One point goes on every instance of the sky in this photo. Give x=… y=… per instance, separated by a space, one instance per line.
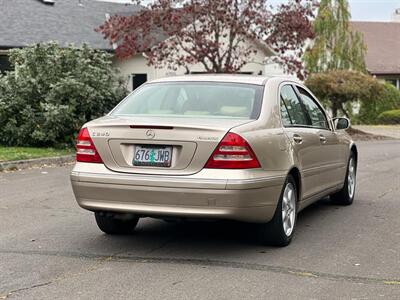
x=373 y=10
x=368 y=10
x=361 y=10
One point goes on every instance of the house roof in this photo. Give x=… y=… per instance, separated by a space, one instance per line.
x=25 y=22
x=383 y=46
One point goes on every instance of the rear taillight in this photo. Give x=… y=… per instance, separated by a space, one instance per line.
x=233 y=152
x=85 y=149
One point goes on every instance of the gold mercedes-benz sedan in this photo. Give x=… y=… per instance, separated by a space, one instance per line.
x=245 y=148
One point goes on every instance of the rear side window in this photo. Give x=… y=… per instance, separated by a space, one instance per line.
x=292 y=111
x=286 y=120
x=194 y=100
x=315 y=113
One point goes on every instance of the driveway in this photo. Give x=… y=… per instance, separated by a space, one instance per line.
x=50 y=248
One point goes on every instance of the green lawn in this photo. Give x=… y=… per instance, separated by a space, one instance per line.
x=18 y=153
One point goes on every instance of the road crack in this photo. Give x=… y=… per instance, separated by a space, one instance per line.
x=207 y=263
x=10 y=293
x=391 y=190
x=101 y=260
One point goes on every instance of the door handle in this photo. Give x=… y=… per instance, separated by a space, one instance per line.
x=322 y=139
x=297 y=139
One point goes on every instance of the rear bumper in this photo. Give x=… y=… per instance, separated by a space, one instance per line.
x=206 y=194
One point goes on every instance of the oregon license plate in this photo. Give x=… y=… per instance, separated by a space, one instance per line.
x=158 y=156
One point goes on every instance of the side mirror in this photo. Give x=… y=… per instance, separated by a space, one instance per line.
x=341 y=123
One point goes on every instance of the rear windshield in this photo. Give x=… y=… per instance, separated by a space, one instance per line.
x=194 y=99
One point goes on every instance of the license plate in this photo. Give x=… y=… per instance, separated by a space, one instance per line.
x=159 y=156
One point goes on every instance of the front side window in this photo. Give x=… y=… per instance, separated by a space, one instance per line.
x=315 y=113
x=194 y=100
x=292 y=107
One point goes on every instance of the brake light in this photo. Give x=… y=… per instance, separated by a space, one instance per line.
x=85 y=149
x=233 y=152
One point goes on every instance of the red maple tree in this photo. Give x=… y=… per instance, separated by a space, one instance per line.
x=218 y=34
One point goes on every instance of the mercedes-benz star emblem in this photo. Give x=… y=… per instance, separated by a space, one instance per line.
x=150 y=134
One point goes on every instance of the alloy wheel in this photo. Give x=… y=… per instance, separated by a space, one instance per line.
x=351 y=178
x=289 y=209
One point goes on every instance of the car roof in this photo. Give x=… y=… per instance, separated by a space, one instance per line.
x=234 y=78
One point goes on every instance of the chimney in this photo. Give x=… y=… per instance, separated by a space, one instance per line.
x=396 y=15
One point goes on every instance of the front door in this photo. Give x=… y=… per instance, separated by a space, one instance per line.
x=330 y=156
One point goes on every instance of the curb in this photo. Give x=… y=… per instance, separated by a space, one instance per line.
x=29 y=163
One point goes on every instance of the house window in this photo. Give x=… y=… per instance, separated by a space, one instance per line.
x=138 y=80
x=4 y=64
x=395 y=82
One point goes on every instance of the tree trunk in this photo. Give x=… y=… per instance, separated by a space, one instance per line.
x=335 y=108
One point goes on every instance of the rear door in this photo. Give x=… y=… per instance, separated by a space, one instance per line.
x=304 y=140
x=331 y=154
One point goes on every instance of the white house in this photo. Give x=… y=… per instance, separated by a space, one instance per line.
x=26 y=22
x=137 y=71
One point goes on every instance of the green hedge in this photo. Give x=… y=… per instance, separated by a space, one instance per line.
x=388 y=100
x=53 y=91
x=390 y=117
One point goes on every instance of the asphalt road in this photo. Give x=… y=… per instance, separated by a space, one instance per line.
x=52 y=249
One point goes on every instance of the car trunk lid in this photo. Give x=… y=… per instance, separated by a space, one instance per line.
x=192 y=141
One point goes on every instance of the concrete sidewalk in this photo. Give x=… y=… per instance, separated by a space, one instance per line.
x=392 y=131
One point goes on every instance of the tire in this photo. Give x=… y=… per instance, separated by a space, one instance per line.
x=346 y=195
x=277 y=232
x=111 y=223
